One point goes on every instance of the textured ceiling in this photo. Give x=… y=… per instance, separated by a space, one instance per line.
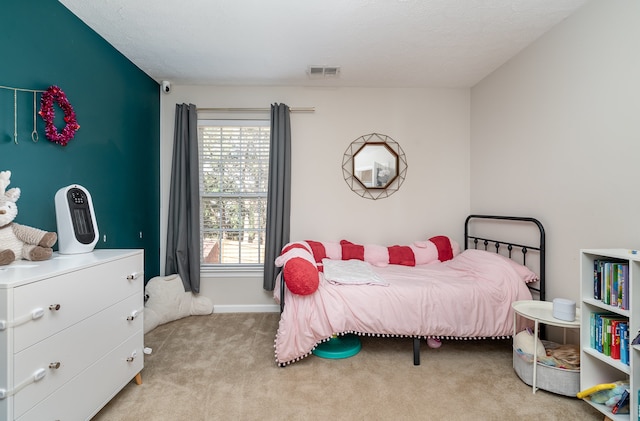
x=384 y=43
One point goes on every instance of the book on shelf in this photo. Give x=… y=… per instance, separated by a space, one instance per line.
x=611 y=282
x=608 y=332
x=597 y=337
x=625 y=286
x=595 y=330
x=606 y=278
x=592 y=330
x=614 y=346
x=615 y=339
x=624 y=343
x=597 y=280
x=621 y=407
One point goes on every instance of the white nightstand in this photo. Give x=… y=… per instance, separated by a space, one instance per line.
x=540 y=312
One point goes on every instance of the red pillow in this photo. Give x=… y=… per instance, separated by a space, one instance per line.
x=301 y=276
x=318 y=250
x=351 y=251
x=401 y=255
x=443 y=244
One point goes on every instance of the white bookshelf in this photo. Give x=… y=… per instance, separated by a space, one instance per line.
x=596 y=367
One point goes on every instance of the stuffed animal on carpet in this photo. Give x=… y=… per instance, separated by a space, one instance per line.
x=20 y=241
x=168 y=301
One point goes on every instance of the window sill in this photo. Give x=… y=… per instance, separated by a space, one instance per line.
x=231 y=272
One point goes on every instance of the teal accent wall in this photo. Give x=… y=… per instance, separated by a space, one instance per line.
x=116 y=153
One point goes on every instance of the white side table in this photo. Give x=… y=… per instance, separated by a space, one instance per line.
x=540 y=312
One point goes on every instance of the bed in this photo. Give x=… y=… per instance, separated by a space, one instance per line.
x=466 y=295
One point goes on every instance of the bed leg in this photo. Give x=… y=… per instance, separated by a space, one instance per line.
x=416 y=351
x=282 y=285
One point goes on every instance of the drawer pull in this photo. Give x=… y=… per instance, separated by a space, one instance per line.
x=54 y=366
x=54 y=307
x=133 y=356
x=134 y=275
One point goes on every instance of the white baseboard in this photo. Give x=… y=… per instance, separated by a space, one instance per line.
x=249 y=308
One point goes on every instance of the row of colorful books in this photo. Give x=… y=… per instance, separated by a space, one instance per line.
x=609 y=334
x=611 y=282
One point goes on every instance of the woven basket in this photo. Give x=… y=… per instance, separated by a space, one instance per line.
x=553 y=379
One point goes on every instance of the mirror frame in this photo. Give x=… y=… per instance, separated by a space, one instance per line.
x=348 y=166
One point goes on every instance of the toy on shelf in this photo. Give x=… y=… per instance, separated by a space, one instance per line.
x=608 y=394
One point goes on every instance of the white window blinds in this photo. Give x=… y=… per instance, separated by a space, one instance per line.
x=234 y=168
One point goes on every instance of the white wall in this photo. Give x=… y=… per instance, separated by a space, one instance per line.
x=555 y=133
x=431 y=126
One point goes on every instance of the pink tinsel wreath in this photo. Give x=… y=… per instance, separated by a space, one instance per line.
x=53 y=93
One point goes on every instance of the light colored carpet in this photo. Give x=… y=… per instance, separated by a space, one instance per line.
x=222 y=367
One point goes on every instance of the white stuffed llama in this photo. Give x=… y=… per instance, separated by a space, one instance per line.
x=19 y=241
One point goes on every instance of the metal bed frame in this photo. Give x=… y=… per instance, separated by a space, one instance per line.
x=498 y=245
x=486 y=244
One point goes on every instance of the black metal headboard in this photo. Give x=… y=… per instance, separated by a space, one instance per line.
x=497 y=245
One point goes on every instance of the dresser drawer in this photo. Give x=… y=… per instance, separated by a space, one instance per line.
x=74 y=349
x=67 y=299
x=83 y=396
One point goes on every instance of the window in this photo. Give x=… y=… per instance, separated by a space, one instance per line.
x=234 y=170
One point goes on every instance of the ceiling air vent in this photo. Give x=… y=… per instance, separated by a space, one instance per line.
x=321 y=72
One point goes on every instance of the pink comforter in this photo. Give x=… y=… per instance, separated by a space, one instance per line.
x=467 y=297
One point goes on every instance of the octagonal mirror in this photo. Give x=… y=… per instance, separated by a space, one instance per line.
x=375 y=165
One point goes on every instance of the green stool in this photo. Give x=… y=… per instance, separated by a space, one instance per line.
x=344 y=346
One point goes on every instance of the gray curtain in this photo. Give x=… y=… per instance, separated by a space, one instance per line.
x=279 y=191
x=183 y=229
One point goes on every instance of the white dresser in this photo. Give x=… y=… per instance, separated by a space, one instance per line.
x=71 y=333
